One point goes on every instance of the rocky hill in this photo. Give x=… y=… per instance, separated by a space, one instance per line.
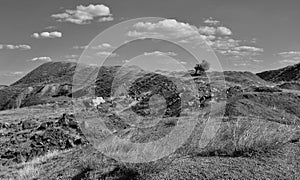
x=2 y=86
x=47 y=73
x=257 y=136
x=52 y=82
x=286 y=74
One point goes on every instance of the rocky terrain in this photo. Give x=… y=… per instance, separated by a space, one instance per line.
x=42 y=135
x=3 y=86
x=286 y=74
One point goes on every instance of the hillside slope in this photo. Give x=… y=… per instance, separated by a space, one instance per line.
x=52 y=82
x=286 y=74
x=50 y=72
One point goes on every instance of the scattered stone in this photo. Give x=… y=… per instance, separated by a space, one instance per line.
x=43 y=126
x=29 y=124
x=234 y=91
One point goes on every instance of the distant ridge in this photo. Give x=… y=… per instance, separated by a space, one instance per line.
x=53 y=82
x=50 y=72
x=286 y=74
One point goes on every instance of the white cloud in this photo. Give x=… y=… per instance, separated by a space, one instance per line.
x=125 y=61
x=80 y=47
x=207 y=30
x=103 y=46
x=47 y=59
x=216 y=36
x=248 y=48
x=289 y=57
x=225 y=43
x=179 y=31
x=290 y=54
x=257 y=60
x=13 y=47
x=289 y=61
x=85 y=14
x=106 y=53
x=105 y=19
x=169 y=28
x=224 y=31
x=242 y=64
x=236 y=52
x=54 y=34
x=72 y=56
x=18 y=73
x=13 y=74
x=159 y=53
x=50 y=27
x=211 y=21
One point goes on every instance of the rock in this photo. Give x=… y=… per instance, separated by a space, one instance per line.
x=69 y=144
x=63 y=121
x=29 y=124
x=5 y=125
x=43 y=126
x=73 y=124
x=234 y=91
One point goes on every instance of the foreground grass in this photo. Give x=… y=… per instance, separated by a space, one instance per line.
x=29 y=170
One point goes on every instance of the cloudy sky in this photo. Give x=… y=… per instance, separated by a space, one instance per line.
x=251 y=35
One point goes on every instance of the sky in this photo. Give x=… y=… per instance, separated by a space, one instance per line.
x=254 y=35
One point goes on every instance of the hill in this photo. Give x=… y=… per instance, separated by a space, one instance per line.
x=52 y=82
x=254 y=135
x=286 y=74
x=50 y=72
x=3 y=86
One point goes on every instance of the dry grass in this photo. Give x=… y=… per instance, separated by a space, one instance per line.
x=28 y=172
x=31 y=169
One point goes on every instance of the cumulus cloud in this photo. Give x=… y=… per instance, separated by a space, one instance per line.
x=47 y=59
x=249 y=48
x=103 y=46
x=85 y=14
x=242 y=52
x=183 y=32
x=216 y=36
x=211 y=21
x=225 y=43
x=54 y=34
x=106 y=53
x=289 y=61
x=80 y=47
x=50 y=27
x=207 y=30
x=125 y=61
x=289 y=57
x=224 y=31
x=104 y=19
x=290 y=54
x=159 y=53
x=13 y=47
x=169 y=28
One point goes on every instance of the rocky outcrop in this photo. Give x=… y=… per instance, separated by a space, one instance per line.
x=25 y=140
x=290 y=86
x=286 y=74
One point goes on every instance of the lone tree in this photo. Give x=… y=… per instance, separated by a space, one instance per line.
x=201 y=68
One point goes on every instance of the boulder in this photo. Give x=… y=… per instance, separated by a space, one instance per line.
x=29 y=124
